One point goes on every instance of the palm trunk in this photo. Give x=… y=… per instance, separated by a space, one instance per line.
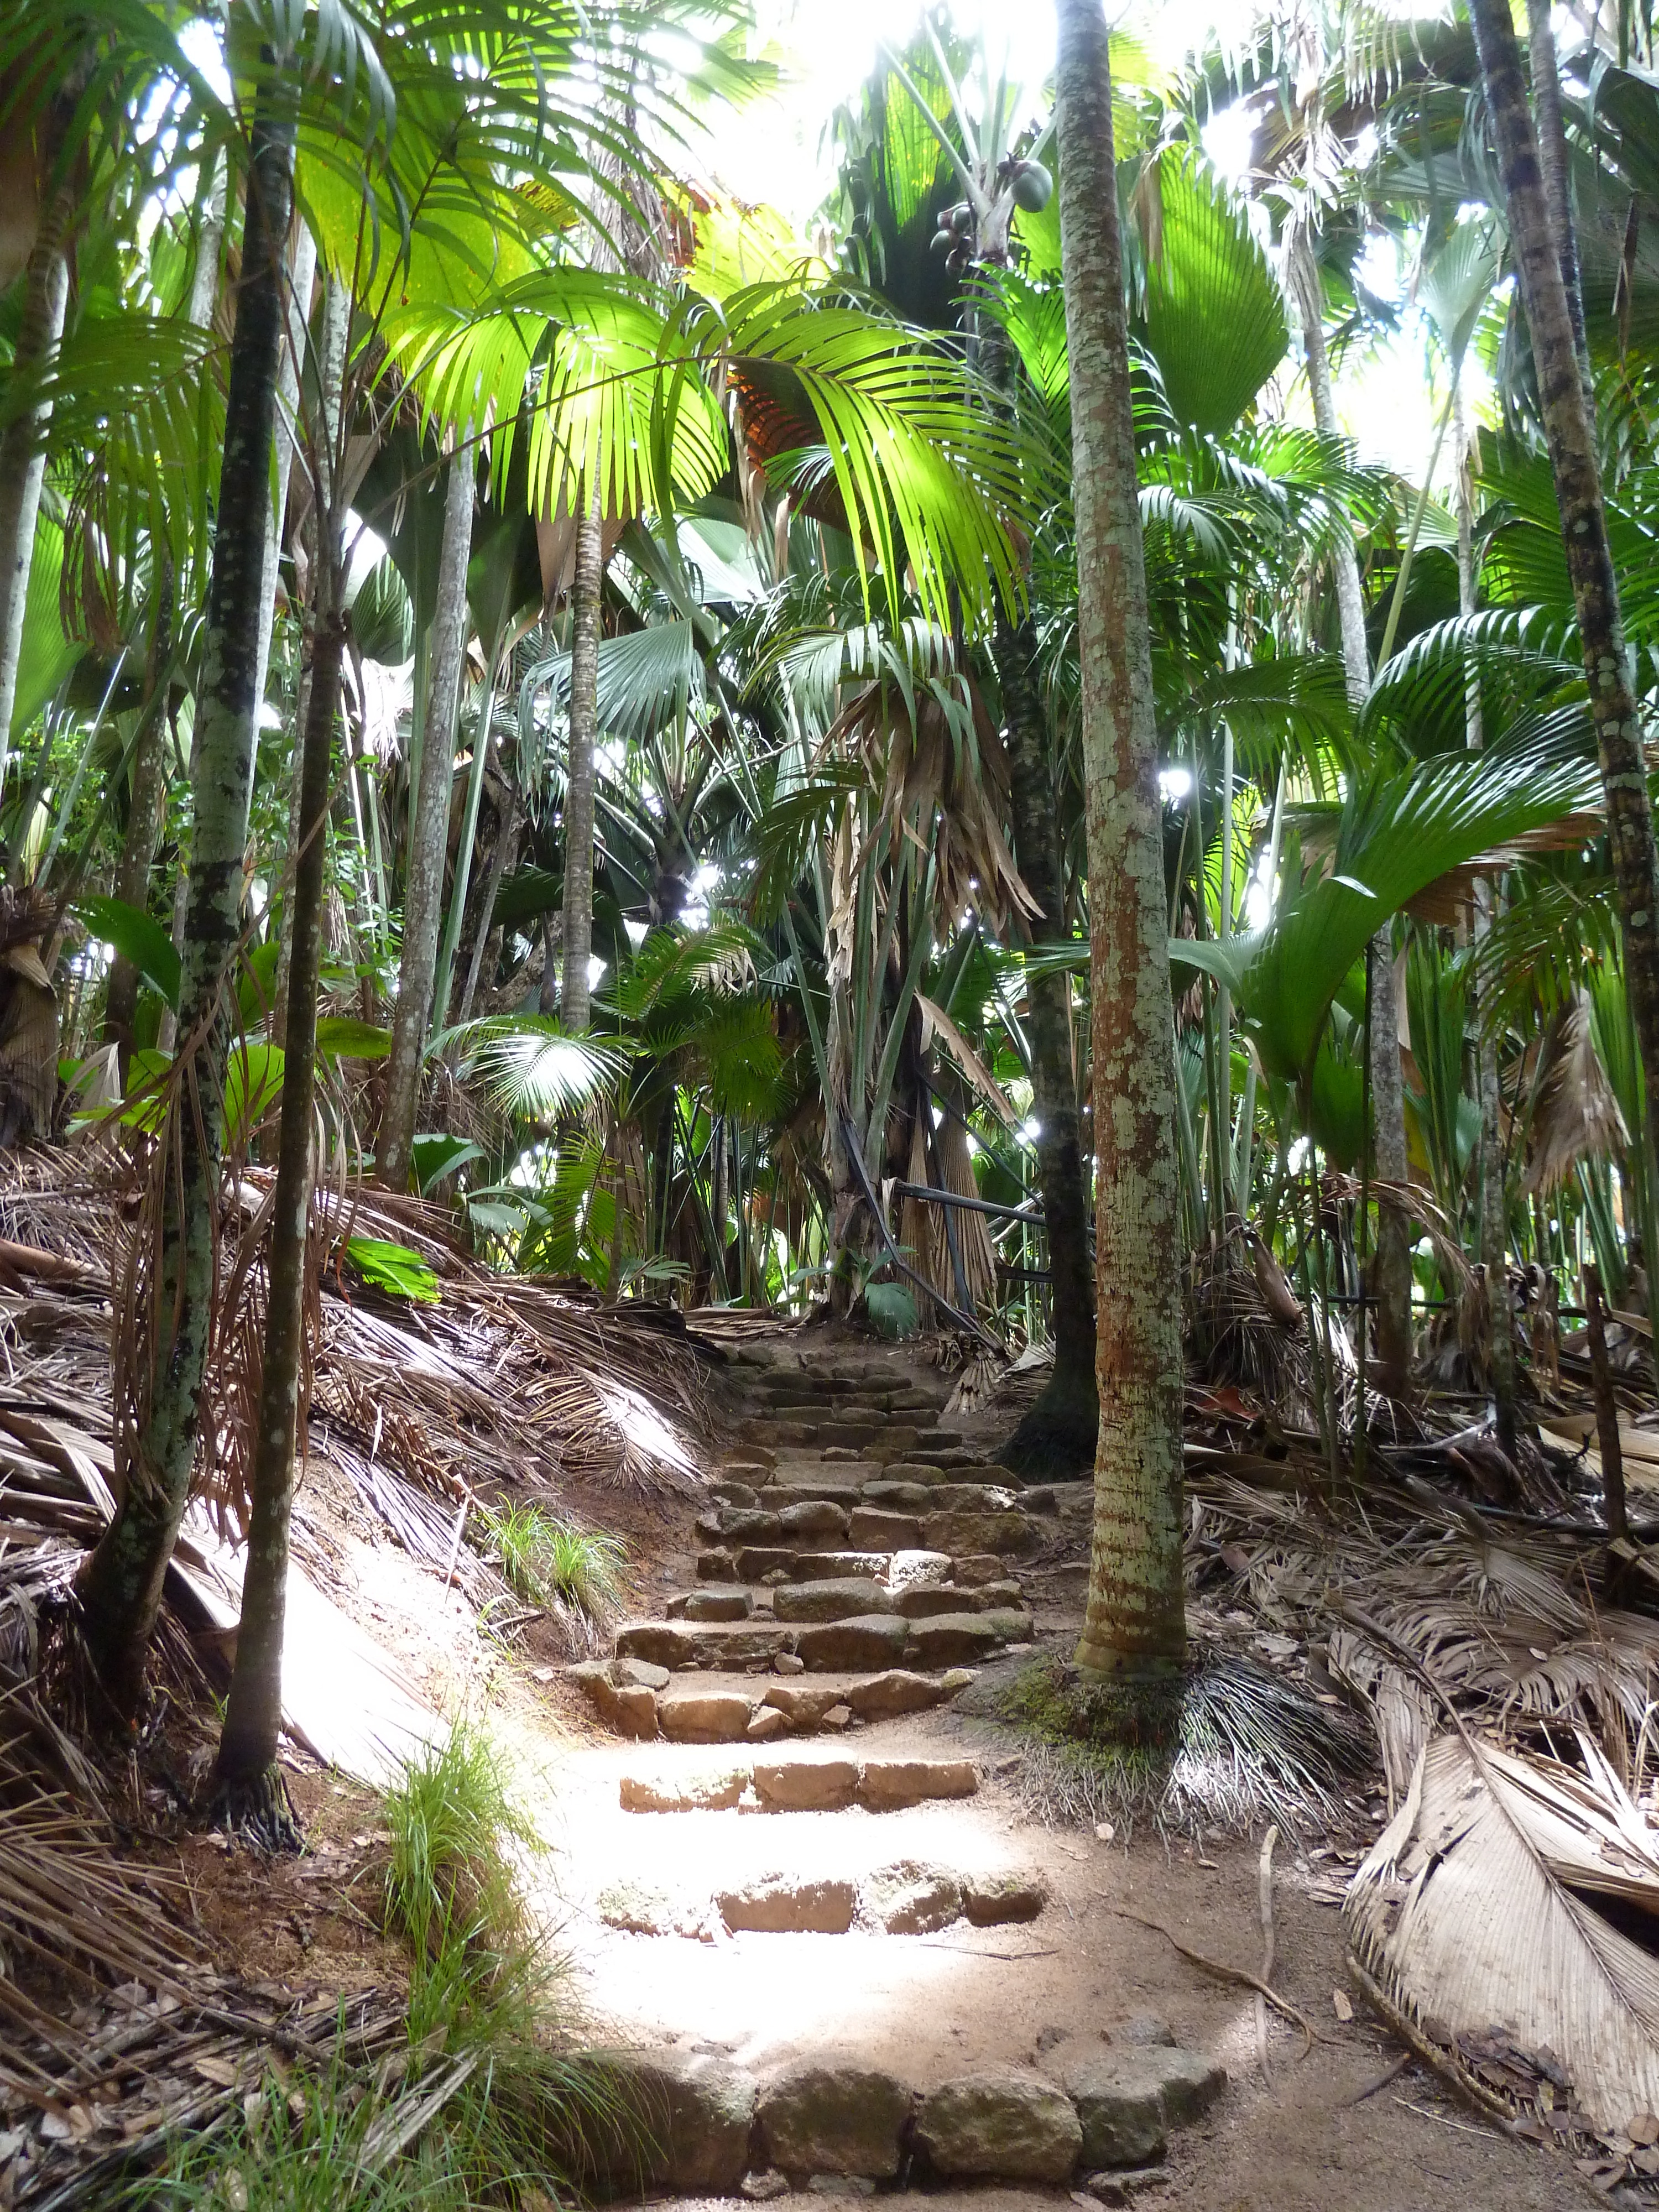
x=1570 y=434
x=149 y=785
x=121 y=1588
x=501 y=860
x=579 y=783
x=1135 y=1627
x=1494 y=1227
x=1553 y=169
x=428 y=841
x=243 y=1783
x=23 y=444
x=1391 y=1264
x=1060 y=1430
x=334 y=336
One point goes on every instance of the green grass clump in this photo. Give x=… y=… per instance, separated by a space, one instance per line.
x=552 y=1563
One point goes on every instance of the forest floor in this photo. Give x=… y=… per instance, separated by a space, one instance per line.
x=928 y=2007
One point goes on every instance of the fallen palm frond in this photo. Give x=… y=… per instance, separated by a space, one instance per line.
x=1508 y=1917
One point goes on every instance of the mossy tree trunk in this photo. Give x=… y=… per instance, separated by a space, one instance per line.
x=1135 y=1627
x=1570 y=434
x=585 y=590
x=429 y=835
x=144 y=813
x=121 y=1586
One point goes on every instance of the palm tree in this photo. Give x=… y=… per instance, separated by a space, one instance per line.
x=1570 y=434
x=1135 y=1630
x=121 y=1587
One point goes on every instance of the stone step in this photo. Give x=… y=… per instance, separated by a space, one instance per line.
x=910 y=1897
x=1097 y=2112
x=847 y=1597
x=647 y=1702
x=857 y=1643
x=785 y=1785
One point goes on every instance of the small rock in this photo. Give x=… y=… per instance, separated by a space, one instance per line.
x=775 y=1577
x=1146 y=2027
x=910 y=1898
x=732 y=1493
x=703 y=1715
x=1124 y=2188
x=872 y=1528
x=975 y=1568
x=951 y=1639
x=716 y=1566
x=837 y=1718
x=909 y=1569
x=886 y=1785
x=1006 y=2126
x=638 y=1674
x=805 y=1786
x=895 y=1691
x=765 y=1723
x=689 y=1793
x=782 y=1904
x=640 y=1909
x=804 y=1704
x=896 y=1496
x=760 y=2188
x=833 y=2121
x=786 y=1662
x=957 y=1677
x=746 y=1524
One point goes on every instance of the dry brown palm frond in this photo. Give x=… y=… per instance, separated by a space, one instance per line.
x=1577 y=1116
x=1477 y=1920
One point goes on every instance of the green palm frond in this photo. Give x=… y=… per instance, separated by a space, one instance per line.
x=1209 y=276
x=647 y=678
x=531 y=1066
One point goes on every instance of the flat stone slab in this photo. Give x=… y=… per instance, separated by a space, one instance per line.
x=1000 y=2126
x=887 y=1785
x=740 y=1524
x=867 y=1643
x=755 y=1562
x=714 y=1792
x=716 y=1646
x=910 y=1898
x=834 y=1566
x=814 y=1518
x=805 y=1786
x=910 y=1569
x=896 y=1496
x=872 y=1528
x=959 y=1639
x=834 y=2119
x=703 y=1715
x=1011 y=1535
x=1128 y=2098
x=784 y=1905
x=673 y=2121
x=826 y=1490
x=840 y=1598
x=1003 y=1900
x=728 y=1601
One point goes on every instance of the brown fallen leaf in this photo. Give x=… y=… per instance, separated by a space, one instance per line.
x=1342 y=2005
x=219 y=2071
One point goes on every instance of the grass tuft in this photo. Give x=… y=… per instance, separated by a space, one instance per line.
x=1241 y=1746
x=553 y=1563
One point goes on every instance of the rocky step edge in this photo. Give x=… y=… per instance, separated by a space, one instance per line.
x=953 y=1517
x=696 y=2124
x=910 y=1897
x=838 y=1598
x=634 y=1696
x=862 y=1644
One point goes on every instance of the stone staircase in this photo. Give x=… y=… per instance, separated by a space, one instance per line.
x=849 y=1536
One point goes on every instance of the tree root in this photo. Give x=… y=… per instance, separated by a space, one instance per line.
x=1225 y=1973
x=258 y=1809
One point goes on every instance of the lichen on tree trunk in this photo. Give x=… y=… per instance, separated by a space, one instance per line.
x=585 y=585
x=121 y=1586
x=1135 y=1626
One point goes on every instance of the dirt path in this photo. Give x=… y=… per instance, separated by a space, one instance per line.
x=766 y=1943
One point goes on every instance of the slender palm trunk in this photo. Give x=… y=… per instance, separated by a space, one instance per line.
x=1556 y=175
x=23 y=444
x=1135 y=1626
x=1494 y=1228
x=121 y=1588
x=423 y=890
x=144 y=813
x=1391 y=1264
x=501 y=860
x=579 y=785
x=1059 y=1432
x=1570 y=434
x=247 y=1745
